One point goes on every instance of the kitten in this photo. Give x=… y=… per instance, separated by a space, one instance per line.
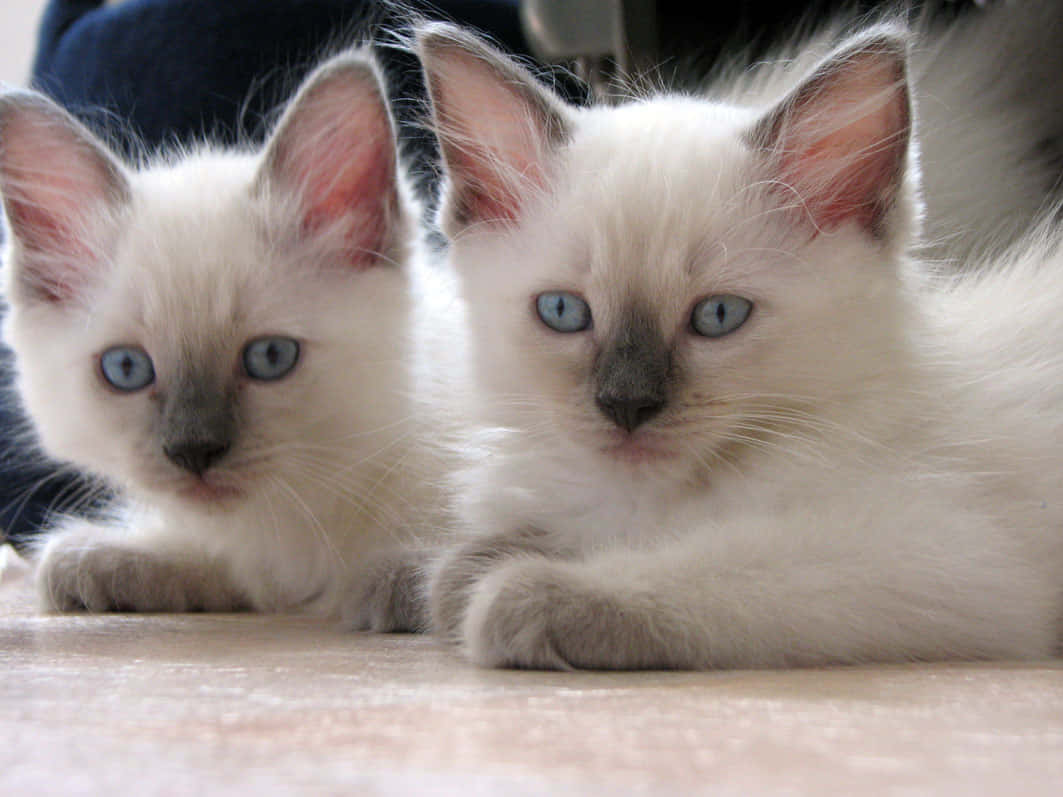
x=729 y=421
x=226 y=338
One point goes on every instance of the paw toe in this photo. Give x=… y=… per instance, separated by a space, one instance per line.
x=388 y=598
x=512 y=619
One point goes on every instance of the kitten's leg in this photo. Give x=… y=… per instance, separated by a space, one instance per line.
x=390 y=594
x=457 y=574
x=85 y=567
x=691 y=607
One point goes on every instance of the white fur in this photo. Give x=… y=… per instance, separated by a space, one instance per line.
x=331 y=463
x=989 y=122
x=868 y=469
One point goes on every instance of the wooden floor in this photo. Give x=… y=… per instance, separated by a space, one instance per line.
x=255 y=705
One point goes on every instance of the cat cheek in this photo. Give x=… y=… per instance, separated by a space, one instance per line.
x=62 y=191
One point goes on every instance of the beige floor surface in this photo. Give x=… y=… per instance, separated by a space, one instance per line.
x=224 y=704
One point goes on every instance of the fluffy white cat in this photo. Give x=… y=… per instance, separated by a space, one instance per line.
x=226 y=338
x=730 y=422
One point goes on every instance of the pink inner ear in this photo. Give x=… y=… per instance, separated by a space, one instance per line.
x=44 y=225
x=841 y=184
x=358 y=189
x=337 y=149
x=842 y=146
x=480 y=197
x=495 y=132
x=493 y=189
x=54 y=181
x=54 y=257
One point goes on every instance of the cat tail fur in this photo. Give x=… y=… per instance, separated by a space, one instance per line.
x=990 y=125
x=988 y=115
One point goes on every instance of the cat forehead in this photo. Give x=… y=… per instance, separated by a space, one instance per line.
x=193 y=243
x=203 y=189
x=660 y=162
x=666 y=118
x=670 y=184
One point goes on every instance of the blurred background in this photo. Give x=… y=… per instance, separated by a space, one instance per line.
x=18 y=36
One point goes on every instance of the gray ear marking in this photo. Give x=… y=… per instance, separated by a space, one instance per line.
x=498 y=128
x=839 y=142
x=435 y=39
x=335 y=146
x=57 y=182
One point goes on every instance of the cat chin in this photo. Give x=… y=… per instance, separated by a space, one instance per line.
x=203 y=493
x=197 y=495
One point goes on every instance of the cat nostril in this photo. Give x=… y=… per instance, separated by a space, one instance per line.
x=196 y=457
x=630 y=413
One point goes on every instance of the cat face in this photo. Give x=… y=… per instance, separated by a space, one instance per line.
x=662 y=286
x=217 y=327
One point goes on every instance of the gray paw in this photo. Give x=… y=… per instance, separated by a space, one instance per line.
x=389 y=595
x=463 y=568
x=106 y=577
x=541 y=614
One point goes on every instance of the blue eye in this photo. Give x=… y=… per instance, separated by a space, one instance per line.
x=268 y=359
x=564 y=312
x=127 y=368
x=720 y=315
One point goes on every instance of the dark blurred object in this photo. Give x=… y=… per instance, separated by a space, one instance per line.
x=156 y=71
x=605 y=38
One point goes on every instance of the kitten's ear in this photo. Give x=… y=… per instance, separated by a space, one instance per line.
x=335 y=149
x=59 y=185
x=838 y=144
x=497 y=127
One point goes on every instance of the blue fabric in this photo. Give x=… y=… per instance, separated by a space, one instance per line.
x=173 y=70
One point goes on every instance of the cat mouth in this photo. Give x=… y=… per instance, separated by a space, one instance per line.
x=205 y=492
x=637 y=450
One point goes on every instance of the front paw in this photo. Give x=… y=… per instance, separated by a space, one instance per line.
x=462 y=569
x=388 y=595
x=74 y=575
x=557 y=616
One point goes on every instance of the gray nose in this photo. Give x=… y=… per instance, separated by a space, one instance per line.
x=629 y=412
x=196 y=456
x=633 y=371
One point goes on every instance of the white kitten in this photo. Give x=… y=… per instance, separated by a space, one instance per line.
x=733 y=424
x=225 y=337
